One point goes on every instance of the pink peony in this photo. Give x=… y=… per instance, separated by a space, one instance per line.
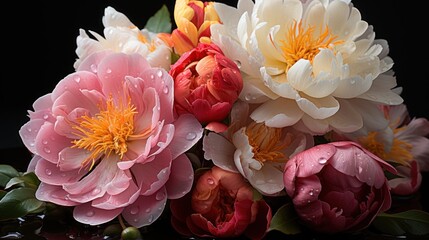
x=338 y=186
x=220 y=205
x=206 y=83
x=106 y=141
x=408 y=181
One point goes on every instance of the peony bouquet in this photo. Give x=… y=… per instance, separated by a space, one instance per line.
x=269 y=117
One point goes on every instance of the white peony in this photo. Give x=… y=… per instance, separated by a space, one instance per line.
x=314 y=64
x=121 y=35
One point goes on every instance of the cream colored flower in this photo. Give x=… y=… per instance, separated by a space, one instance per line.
x=315 y=65
x=121 y=35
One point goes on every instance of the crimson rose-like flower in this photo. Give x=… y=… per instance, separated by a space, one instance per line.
x=107 y=142
x=338 y=186
x=206 y=83
x=220 y=205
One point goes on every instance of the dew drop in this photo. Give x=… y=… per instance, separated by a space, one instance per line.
x=147 y=210
x=93 y=68
x=29 y=129
x=159 y=73
x=45 y=116
x=322 y=160
x=96 y=191
x=77 y=78
x=210 y=181
x=152 y=76
x=134 y=210
x=32 y=144
x=159 y=196
x=247 y=97
x=165 y=90
x=360 y=169
x=191 y=136
x=63 y=175
x=47 y=150
x=90 y=214
x=48 y=172
x=311 y=193
x=108 y=70
x=238 y=63
x=150 y=219
x=45 y=142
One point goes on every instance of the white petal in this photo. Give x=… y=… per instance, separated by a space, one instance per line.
x=221 y=151
x=319 y=108
x=277 y=113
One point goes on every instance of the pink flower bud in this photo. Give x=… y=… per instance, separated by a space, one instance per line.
x=206 y=83
x=338 y=186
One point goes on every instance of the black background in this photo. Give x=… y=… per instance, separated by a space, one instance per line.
x=39 y=42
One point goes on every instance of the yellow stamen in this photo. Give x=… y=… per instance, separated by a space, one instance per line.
x=302 y=43
x=265 y=142
x=400 y=152
x=107 y=132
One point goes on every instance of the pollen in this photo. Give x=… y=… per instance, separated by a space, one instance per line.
x=107 y=132
x=400 y=151
x=266 y=142
x=303 y=43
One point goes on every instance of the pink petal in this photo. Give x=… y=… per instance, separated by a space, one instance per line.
x=75 y=82
x=181 y=177
x=188 y=132
x=149 y=115
x=163 y=83
x=146 y=209
x=51 y=174
x=87 y=214
x=43 y=102
x=49 y=144
x=164 y=139
x=54 y=194
x=28 y=133
x=216 y=127
x=102 y=174
x=72 y=158
x=151 y=176
x=312 y=161
x=307 y=190
x=122 y=199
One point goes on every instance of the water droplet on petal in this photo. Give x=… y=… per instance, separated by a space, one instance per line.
x=322 y=160
x=45 y=142
x=152 y=76
x=159 y=196
x=96 y=191
x=191 y=136
x=165 y=90
x=210 y=181
x=360 y=169
x=29 y=129
x=238 y=63
x=159 y=73
x=150 y=219
x=147 y=210
x=93 y=68
x=311 y=193
x=45 y=116
x=134 y=210
x=47 y=150
x=108 y=70
x=48 y=172
x=77 y=78
x=90 y=213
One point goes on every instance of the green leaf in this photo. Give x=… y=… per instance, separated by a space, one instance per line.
x=285 y=220
x=160 y=22
x=6 y=173
x=414 y=222
x=29 y=180
x=19 y=202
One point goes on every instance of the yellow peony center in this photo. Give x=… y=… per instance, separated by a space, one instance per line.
x=400 y=151
x=106 y=132
x=265 y=142
x=143 y=39
x=303 y=43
